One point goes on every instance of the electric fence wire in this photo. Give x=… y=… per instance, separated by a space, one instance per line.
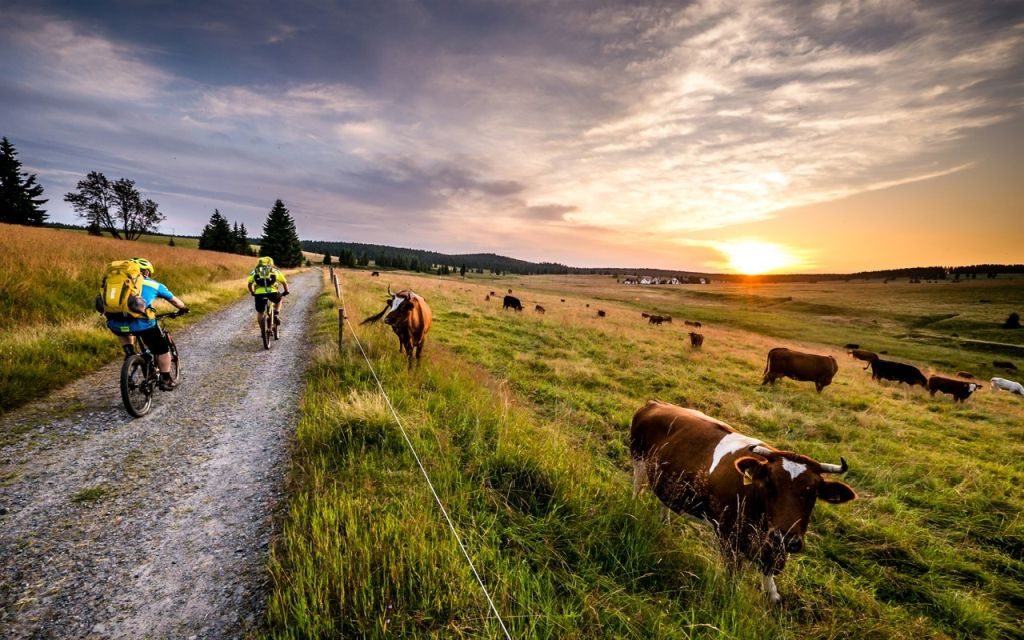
x=430 y=484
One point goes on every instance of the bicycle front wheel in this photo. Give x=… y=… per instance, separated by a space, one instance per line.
x=136 y=392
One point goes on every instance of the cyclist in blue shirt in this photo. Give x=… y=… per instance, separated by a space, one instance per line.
x=151 y=334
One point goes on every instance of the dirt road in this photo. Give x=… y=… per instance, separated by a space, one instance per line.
x=113 y=527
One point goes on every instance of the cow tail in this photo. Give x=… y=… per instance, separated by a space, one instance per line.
x=375 y=318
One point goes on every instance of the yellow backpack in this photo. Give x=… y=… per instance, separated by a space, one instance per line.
x=122 y=291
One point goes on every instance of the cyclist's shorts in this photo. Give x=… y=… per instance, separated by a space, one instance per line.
x=261 y=300
x=154 y=338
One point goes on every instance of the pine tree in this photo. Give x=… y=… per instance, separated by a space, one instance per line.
x=19 y=194
x=280 y=239
x=327 y=258
x=217 y=235
x=242 y=241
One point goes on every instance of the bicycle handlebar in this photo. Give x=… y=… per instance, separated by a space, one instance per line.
x=169 y=314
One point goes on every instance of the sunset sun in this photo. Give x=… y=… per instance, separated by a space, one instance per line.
x=752 y=257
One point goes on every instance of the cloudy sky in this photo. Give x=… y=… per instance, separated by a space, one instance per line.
x=713 y=135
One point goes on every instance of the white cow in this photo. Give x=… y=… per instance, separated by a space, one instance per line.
x=1007 y=385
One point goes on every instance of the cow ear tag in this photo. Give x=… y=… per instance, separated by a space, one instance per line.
x=747 y=478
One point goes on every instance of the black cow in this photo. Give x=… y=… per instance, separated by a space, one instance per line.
x=511 y=302
x=889 y=370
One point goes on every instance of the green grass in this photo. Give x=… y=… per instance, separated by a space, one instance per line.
x=49 y=332
x=90 y=494
x=522 y=421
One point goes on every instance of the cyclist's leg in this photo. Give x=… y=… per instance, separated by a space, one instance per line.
x=261 y=306
x=156 y=341
x=278 y=299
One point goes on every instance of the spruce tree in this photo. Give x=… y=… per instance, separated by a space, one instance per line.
x=217 y=234
x=327 y=258
x=280 y=239
x=19 y=194
x=242 y=241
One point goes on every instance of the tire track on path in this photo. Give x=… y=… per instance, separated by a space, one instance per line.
x=156 y=527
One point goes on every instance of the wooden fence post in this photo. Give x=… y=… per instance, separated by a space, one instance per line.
x=341 y=328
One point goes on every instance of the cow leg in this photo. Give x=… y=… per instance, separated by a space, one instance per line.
x=768 y=583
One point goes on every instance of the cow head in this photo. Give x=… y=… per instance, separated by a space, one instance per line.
x=399 y=306
x=787 y=485
x=396 y=309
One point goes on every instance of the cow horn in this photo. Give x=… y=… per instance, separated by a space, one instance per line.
x=761 y=451
x=835 y=468
x=389 y=289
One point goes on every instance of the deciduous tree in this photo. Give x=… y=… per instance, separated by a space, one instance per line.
x=116 y=207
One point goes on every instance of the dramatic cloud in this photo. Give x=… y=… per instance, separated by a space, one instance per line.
x=635 y=129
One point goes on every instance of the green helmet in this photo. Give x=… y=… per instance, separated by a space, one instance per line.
x=144 y=264
x=265 y=260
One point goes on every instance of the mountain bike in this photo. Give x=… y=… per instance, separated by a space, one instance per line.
x=268 y=330
x=140 y=375
x=270 y=327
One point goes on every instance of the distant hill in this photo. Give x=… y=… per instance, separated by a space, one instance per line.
x=422 y=260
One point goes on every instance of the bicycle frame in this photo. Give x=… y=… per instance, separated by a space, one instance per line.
x=140 y=373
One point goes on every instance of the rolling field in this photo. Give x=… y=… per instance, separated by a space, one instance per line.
x=50 y=333
x=522 y=422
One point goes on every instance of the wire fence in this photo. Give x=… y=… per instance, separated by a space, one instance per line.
x=451 y=525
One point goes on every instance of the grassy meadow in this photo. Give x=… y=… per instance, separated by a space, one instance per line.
x=50 y=333
x=522 y=422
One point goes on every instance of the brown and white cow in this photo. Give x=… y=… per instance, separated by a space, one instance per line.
x=757 y=498
x=409 y=316
x=806 y=367
x=959 y=389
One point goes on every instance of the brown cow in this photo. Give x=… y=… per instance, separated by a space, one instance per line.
x=863 y=354
x=807 y=367
x=959 y=389
x=409 y=316
x=658 y=319
x=487 y=298
x=539 y=309
x=692 y=323
x=696 y=340
x=757 y=498
x=375 y=274
x=964 y=374
x=601 y=313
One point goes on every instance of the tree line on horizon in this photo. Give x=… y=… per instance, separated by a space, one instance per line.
x=353 y=254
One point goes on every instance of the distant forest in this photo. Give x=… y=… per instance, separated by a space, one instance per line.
x=383 y=256
x=386 y=257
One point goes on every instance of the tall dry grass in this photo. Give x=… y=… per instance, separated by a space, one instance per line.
x=49 y=331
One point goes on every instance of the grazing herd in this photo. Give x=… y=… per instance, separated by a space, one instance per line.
x=757 y=498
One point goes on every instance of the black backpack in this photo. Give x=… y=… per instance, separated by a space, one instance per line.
x=265 y=276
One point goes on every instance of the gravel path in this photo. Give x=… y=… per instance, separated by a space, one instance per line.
x=157 y=527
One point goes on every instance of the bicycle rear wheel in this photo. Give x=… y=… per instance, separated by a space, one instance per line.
x=136 y=392
x=266 y=328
